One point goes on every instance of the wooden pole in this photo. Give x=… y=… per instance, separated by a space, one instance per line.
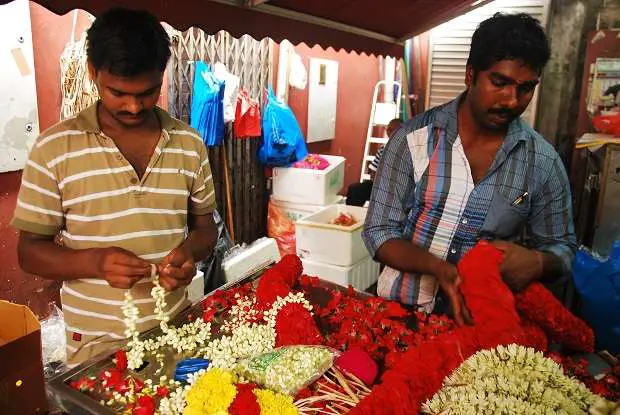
x=229 y=210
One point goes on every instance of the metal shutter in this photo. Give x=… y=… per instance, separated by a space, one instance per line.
x=450 y=44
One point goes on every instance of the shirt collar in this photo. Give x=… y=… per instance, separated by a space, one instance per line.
x=88 y=121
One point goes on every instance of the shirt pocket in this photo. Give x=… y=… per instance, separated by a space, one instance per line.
x=505 y=220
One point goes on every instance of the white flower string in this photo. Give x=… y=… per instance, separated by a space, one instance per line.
x=292 y=298
x=511 y=379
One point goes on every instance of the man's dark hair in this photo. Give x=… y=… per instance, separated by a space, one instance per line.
x=509 y=37
x=128 y=42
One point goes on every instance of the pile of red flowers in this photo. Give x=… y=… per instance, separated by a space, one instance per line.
x=294 y=323
x=414 y=376
x=376 y=325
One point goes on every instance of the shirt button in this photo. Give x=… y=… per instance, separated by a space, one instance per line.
x=453 y=251
x=134 y=180
x=464 y=221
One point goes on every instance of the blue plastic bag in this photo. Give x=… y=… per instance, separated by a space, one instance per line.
x=207 y=114
x=283 y=143
x=598 y=283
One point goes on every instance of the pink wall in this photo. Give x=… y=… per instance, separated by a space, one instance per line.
x=357 y=76
x=50 y=33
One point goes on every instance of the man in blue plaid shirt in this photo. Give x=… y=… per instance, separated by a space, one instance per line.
x=470 y=170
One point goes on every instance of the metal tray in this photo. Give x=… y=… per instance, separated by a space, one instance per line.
x=72 y=401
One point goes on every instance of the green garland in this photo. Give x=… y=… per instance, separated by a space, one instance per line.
x=510 y=380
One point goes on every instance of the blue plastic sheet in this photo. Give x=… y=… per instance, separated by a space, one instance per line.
x=598 y=283
x=283 y=143
x=207 y=113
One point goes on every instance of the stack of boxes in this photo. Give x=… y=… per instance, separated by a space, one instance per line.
x=334 y=252
x=310 y=199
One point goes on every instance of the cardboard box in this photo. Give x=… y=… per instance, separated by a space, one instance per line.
x=22 y=385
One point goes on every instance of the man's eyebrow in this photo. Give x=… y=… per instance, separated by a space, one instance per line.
x=508 y=79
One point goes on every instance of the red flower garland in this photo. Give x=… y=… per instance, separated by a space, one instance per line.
x=295 y=325
x=541 y=306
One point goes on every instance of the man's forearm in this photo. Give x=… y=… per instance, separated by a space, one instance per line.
x=49 y=260
x=201 y=240
x=407 y=257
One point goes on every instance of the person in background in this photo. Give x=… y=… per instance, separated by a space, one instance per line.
x=359 y=193
x=472 y=169
x=391 y=128
x=128 y=187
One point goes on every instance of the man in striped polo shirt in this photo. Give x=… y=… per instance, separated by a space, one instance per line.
x=470 y=170
x=125 y=185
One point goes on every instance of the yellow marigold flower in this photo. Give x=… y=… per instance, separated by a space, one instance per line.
x=272 y=403
x=211 y=394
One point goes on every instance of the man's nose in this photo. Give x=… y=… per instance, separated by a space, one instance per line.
x=510 y=98
x=134 y=105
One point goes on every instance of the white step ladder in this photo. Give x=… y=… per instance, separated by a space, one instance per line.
x=381 y=114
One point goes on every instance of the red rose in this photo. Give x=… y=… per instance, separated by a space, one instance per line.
x=163 y=392
x=145 y=405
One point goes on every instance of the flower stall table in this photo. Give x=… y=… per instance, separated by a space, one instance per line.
x=416 y=353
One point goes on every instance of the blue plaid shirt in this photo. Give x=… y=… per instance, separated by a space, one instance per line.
x=424 y=193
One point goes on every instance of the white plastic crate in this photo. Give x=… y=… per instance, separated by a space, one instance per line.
x=307 y=186
x=196 y=288
x=247 y=260
x=319 y=241
x=297 y=211
x=361 y=275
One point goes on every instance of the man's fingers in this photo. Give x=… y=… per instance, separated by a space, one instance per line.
x=457 y=305
x=130 y=271
x=124 y=257
x=169 y=284
x=122 y=282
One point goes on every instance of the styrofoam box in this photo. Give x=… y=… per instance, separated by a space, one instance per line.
x=307 y=186
x=196 y=288
x=319 y=241
x=361 y=275
x=296 y=211
x=260 y=252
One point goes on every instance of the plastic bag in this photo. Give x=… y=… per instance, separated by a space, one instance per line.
x=281 y=228
x=288 y=369
x=54 y=342
x=598 y=284
x=283 y=143
x=231 y=88
x=298 y=77
x=247 y=123
x=207 y=115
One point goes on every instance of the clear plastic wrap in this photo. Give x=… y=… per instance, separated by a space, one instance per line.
x=287 y=369
x=54 y=342
x=281 y=228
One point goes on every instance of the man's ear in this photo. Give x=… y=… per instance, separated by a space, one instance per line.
x=469 y=76
x=92 y=73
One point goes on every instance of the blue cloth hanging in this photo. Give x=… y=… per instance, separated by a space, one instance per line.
x=207 y=112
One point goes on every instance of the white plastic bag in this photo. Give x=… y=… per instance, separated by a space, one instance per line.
x=54 y=342
x=298 y=77
x=287 y=369
x=231 y=89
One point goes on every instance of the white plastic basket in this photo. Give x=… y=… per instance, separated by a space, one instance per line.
x=319 y=241
x=307 y=186
x=361 y=275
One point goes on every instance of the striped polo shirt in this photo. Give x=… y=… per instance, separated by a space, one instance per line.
x=78 y=183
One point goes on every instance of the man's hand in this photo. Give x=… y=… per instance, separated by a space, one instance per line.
x=119 y=267
x=521 y=266
x=177 y=269
x=449 y=281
